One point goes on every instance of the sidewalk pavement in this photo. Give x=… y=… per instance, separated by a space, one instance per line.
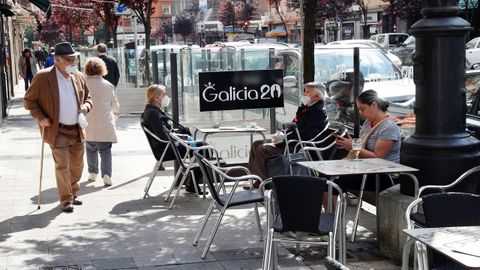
x=115 y=228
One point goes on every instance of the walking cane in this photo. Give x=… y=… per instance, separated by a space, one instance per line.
x=41 y=169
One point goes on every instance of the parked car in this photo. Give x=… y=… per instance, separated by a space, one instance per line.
x=170 y=48
x=390 y=40
x=406 y=51
x=472 y=52
x=371 y=43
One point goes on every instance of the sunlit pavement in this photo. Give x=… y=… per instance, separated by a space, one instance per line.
x=115 y=228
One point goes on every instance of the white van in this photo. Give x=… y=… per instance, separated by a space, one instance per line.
x=390 y=40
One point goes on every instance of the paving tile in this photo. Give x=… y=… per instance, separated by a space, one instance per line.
x=154 y=259
x=198 y=266
x=114 y=263
x=3 y=262
x=224 y=255
x=191 y=256
x=27 y=261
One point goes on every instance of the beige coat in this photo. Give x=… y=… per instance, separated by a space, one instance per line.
x=43 y=101
x=22 y=66
x=101 y=119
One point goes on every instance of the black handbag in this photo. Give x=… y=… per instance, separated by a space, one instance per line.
x=286 y=164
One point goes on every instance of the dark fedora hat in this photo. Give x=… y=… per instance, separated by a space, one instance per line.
x=65 y=49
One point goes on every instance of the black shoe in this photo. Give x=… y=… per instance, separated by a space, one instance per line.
x=77 y=201
x=161 y=168
x=67 y=208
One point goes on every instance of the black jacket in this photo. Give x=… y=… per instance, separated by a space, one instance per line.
x=154 y=120
x=113 y=75
x=310 y=121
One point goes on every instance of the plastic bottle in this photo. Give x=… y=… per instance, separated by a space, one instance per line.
x=190 y=139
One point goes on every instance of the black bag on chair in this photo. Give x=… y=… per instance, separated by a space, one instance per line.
x=286 y=164
x=280 y=165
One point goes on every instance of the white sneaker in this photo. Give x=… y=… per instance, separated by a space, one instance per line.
x=106 y=180
x=92 y=177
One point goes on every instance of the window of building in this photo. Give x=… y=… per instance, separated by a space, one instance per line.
x=166 y=9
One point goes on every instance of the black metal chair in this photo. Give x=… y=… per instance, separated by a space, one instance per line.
x=295 y=205
x=443 y=210
x=321 y=150
x=150 y=138
x=186 y=162
x=466 y=182
x=332 y=264
x=320 y=138
x=223 y=199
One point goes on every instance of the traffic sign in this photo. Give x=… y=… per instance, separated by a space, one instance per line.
x=122 y=9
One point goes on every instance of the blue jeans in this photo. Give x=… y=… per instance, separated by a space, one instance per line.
x=104 y=149
x=28 y=80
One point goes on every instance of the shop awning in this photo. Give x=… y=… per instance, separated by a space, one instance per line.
x=41 y=4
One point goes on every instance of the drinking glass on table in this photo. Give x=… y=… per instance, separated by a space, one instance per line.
x=356 y=147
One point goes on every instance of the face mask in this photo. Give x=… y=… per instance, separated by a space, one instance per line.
x=71 y=69
x=305 y=100
x=165 y=101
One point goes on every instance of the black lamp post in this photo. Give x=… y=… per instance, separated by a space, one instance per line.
x=440 y=146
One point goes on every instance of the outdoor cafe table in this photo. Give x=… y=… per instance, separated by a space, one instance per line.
x=461 y=244
x=334 y=168
x=211 y=130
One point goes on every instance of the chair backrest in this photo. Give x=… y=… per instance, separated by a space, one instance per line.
x=332 y=264
x=175 y=150
x=451 y=209
x=208 y=170
x=448 y=210
x=299 y=202
x=150 y=138
x=467 y=182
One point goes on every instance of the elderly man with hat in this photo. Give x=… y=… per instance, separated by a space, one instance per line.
x=58 y=98
x=310 y=118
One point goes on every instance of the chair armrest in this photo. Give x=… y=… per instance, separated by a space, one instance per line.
x=154 y=136
x=454 y=183
x=235 y=168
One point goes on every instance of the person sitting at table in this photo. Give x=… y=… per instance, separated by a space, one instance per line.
x=380 y=137
x=310 y=119
x=154 y=119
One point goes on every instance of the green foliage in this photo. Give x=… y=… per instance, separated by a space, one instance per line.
x=29 y=36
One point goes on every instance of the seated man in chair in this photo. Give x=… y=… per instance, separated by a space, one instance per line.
x=154 y=119
x=310 y=119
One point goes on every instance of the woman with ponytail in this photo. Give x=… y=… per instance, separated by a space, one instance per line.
x=380 y=137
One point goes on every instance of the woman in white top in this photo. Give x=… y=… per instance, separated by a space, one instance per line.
x=100 y=132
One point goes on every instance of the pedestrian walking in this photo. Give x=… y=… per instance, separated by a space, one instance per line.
x=50 y=60
x=40 y=56
x=57 y=99
x=27 y=66
x=101 y=120
x=113 y=74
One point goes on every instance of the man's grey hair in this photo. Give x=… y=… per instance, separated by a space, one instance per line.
x=101 y=48
x=318 y=87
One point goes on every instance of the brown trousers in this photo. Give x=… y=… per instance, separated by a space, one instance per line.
x=259 y=151
x=68 y=156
